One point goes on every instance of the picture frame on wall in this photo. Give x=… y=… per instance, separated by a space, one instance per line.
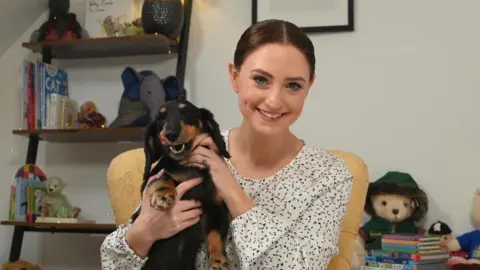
x=313 y=16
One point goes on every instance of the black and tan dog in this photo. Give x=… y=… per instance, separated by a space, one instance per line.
x=170 y=139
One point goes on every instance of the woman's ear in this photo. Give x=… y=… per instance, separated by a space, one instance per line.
x=233 y=73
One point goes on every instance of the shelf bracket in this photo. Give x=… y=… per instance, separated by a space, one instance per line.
x=47 y=55
x=32 y=149
x=182 y=55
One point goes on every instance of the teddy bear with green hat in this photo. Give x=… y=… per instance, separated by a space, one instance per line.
x=395 y=204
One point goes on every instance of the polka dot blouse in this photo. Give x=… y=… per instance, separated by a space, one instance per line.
x=295 y=223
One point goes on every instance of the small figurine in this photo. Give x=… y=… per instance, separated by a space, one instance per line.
x=54 y=203
x=89 y=117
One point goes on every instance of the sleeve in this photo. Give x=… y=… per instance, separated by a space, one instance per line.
x=464 y=241
x=116 y=254
x=264 y=240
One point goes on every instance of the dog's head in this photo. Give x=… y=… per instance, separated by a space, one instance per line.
x=173 y=132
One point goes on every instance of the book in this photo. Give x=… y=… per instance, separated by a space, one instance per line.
x=39 y=82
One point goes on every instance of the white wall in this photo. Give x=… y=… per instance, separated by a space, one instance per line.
x=400 y=91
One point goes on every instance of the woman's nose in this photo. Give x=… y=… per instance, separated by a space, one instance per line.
x=274 y=99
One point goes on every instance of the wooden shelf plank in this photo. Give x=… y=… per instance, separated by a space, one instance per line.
x=62 y=227
x=131 y=134
x=106 y=47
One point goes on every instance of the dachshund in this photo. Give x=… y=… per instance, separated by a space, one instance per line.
x=169 y=139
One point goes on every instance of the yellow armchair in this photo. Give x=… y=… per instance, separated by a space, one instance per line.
x=124 y=178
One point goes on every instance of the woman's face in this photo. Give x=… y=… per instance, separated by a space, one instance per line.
x=272 y=85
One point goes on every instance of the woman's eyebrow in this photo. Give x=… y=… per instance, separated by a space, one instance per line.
x=266 y=74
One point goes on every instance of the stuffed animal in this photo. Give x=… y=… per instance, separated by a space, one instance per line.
x=89 y=117
x=468 y=242
x=441 y=229
x=54 y=203
x=395 y=203
x=20 y=265
x=142 y=97
x=60 y=25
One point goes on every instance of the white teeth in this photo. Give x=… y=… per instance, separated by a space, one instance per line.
x=172 y=148
x=270 y=115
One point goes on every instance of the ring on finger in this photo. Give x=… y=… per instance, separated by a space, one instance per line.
x=204 y=161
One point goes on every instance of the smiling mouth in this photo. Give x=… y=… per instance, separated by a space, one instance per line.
x=268 y=115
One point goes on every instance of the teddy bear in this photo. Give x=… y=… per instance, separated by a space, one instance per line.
x=395 y=204
x=20 y=265
x=468 y=242
x=89 y=117
x=54 y=203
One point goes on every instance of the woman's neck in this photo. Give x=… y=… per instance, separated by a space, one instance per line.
x=264 y=150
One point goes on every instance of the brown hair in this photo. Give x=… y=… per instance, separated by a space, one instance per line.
x=274 y=31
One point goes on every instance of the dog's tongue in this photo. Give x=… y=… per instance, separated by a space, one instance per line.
x=162 y=140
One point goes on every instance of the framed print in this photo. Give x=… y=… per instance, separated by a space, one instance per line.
x=313 y=16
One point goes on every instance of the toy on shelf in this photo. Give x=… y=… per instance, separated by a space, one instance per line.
x=20 y=265
x=468 y=242
x=60 y=25
x=395 y=203
x=141 y=99
x=441 y=229
x=89 y=117
x=54 y=203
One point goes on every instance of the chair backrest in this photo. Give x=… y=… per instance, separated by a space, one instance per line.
x=124 y=178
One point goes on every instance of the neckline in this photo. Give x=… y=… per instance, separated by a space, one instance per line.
x=282 y=170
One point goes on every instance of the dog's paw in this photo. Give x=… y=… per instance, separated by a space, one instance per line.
x=219 y=263
x=163 y=200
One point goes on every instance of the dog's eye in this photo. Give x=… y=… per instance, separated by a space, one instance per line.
x=384 y=203
x=406 y=204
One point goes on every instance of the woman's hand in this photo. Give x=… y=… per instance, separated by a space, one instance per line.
x=205 y=156
x=152 y=225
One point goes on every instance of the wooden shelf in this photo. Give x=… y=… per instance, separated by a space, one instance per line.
x=62 y=227
x=106 y=47
x=132 y=134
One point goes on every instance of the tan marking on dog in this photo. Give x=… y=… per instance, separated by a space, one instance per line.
x=162 y=193
x=181 y=105
x=163 y=109
x=215 y=247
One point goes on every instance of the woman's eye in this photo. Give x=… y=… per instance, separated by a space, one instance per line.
x=260 y=80
x=294 y=86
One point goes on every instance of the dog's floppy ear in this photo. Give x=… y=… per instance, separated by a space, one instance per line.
x=212 y=128
x=153 y=151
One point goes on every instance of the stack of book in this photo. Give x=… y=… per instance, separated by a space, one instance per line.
x=412 y=252
x=45 y=97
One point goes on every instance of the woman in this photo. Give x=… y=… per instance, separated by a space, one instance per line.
x=287 y=199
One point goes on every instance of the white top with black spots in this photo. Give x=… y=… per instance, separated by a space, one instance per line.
x=295 y=223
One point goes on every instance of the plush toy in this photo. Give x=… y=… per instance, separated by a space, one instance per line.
x=395 y=203
x=441 y=229
x=60 y=25
x=468 y=242
x=20 y=265
x=54 y=203
x=89 y=117
x=142 y=97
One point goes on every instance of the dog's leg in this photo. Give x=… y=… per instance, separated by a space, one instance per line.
x=216 y=250
x=162 y=193
x=217 y=230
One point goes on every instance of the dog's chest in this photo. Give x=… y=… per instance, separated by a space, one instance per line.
x=181 y=174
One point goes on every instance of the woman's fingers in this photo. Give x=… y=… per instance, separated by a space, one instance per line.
x=187 y=223
x=187 y=215
x=187 y=185
x=184 y=205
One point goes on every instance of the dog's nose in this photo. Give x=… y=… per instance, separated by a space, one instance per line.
x=395 y=211
x=171 y=135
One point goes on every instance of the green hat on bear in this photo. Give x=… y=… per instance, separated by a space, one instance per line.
x=398 y=183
